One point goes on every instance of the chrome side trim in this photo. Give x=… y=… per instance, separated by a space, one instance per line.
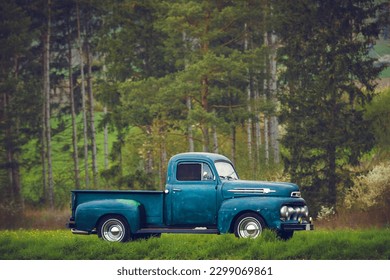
x=76 y=231
x=263 y=190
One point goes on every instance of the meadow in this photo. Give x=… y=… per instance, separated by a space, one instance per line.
x=339 y=244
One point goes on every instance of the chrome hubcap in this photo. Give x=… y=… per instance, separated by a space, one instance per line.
x=113 y=230
x=249 y=228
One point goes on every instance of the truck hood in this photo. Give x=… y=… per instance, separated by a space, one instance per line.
x=236 y=188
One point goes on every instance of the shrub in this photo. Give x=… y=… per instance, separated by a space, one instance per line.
x=370 y=190
x=326 y=213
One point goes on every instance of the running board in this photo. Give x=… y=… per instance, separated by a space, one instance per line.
x=83 y=232
x=179 y=230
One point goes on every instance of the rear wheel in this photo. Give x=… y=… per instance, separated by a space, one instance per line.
x=249 y=225
x=114 y=228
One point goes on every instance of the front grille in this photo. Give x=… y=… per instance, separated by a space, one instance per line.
x=294 y=212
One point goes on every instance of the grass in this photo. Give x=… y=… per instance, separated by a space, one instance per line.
x=382 y=48
x=369 y=244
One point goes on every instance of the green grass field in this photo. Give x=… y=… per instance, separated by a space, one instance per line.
x=372 y=244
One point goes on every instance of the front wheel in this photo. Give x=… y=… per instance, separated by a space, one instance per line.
x=285 y=235
x=249 y=225
x=114 y=228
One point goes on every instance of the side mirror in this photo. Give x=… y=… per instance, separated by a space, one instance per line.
x=207 y=176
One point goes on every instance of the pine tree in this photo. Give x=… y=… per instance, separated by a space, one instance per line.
x=20 y=97
x=83 y=96
x=328 y=77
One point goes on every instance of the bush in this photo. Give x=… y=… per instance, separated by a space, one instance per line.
x=370 y=190
x=326 y=213
x=378 y=113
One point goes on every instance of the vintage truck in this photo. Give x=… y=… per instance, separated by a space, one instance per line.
x=203 y=194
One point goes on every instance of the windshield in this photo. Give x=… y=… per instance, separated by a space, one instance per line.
x=226 y=170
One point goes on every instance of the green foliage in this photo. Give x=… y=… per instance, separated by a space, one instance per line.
x=166 y=69
x=321 y=99
x=378 y=113
x=32 y=191
x=371 y=190
x=20 y=100
x=371 y=244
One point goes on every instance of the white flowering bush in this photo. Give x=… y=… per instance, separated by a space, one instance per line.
x=325 y=213
x=372 y=189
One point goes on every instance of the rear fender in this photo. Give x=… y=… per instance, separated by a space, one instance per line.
x=88 y=214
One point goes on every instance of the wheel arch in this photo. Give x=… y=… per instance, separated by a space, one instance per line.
x=89 y=214
x=239 y=214
x=231 y=209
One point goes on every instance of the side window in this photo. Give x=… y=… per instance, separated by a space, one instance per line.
x=189 y=172
x=194 y=172
x=207 y=174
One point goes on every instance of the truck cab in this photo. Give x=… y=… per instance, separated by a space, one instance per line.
x=203 y=194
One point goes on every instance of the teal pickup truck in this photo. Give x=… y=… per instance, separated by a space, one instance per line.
x=203 y=194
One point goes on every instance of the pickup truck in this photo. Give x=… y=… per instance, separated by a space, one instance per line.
x=203 y=194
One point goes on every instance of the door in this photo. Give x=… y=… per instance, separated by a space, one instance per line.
x=194 y=195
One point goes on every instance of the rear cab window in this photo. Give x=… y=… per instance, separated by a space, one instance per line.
x=194 y=171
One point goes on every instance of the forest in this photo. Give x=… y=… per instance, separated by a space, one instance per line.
x=100 y=94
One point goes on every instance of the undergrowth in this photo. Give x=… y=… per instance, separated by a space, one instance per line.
x=315 y=245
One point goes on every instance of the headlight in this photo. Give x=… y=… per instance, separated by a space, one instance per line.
x=305 y=211
x=294 y=213
x=284 y=212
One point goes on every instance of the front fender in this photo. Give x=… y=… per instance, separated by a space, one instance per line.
x=267 y=207
x=88 y=214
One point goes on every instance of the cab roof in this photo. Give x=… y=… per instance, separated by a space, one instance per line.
x=200 y=155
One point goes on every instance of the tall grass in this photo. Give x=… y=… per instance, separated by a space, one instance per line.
x=35 y=219
x=317 y=245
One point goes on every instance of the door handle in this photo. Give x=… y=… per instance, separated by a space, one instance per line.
x=176 y=190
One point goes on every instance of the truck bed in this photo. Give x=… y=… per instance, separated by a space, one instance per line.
x=152 y=201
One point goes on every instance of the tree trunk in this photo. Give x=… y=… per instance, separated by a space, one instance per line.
x=43 y=153
x=190 y=135
x=14 y=176
x=92 y=119
x=274 y=137
x=189 y=128
x=257 y=128
x=249 y=123
x=274 y=124
x=205 y=88
x=12 y=165
x=149 y=152
x=46 y=92
x=205 y=106
x=332 y=175
x=233 y=135
x=105 y=128
x=266 y=141
x=105 y=146
x=266 y=86
x=73 y=114
x=83 y=95
x=163 y=159
x=215 y=139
